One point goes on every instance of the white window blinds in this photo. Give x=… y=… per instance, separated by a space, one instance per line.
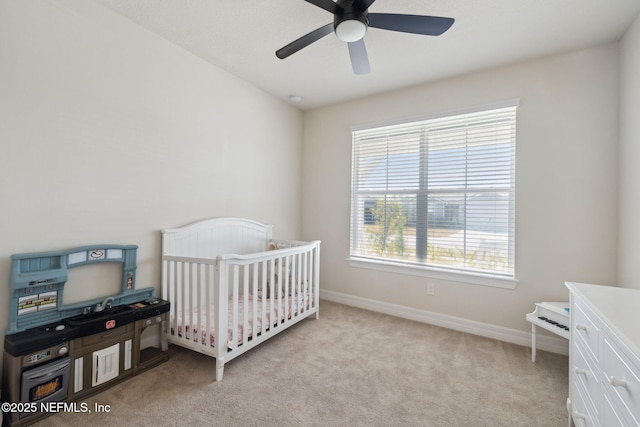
x=437 y=193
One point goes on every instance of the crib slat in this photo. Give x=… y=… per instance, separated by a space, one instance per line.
x=290 y=304
x=309 y=281
x=191 y=290
x=181 y=299
x=191 y=303
x=276 y=320
x=234 y=298
x=254 y=301
x=286 y=279
x=222 y=301
x=316 y=277
x=263 y=302
x=272 y=292
x=200 y=303
x=297 y=281
x=206 y=304
x=245 y=304
x=304 y=260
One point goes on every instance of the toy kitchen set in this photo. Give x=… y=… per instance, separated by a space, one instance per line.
x=64 y=353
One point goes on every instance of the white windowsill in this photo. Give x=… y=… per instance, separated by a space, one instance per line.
x=454 y=276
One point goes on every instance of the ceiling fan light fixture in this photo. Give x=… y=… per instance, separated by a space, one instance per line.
x=351 y=30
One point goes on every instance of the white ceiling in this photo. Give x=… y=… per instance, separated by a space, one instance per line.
x=242 y=37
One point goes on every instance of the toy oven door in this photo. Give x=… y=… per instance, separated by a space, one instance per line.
x=46 y=383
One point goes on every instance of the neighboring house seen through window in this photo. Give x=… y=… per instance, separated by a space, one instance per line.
x=437 y=194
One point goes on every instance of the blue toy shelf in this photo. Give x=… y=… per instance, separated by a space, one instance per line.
x=37 y=282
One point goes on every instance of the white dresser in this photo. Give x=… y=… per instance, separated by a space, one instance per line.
x=604 y=356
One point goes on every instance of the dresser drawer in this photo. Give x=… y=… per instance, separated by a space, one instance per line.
x=585 y=374
x=622 y=383
x=584 y=327
x=605 y=341
x=611 y=417
x=582 y=412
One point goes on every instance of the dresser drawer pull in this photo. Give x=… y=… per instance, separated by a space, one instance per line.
x=577 y=416
x=581 y=328
x=580 y=371
x=616 y=382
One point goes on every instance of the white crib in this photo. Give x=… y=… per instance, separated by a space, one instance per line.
x=227 y=277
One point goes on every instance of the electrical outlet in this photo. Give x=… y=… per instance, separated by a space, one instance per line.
x=431 y=288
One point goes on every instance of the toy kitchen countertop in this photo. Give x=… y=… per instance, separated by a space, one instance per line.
x=150 y=307
x=74 y=327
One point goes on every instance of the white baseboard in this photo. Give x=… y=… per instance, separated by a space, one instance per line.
x=547 y=343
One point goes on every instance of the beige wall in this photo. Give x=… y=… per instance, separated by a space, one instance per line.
x=109 y=134
x=629 y=172
x=565 y=184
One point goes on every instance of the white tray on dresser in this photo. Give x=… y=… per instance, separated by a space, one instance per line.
x=604 y=356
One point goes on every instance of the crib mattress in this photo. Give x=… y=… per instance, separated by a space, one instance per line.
x=192 y=330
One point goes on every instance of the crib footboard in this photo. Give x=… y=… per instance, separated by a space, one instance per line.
x=225 y=306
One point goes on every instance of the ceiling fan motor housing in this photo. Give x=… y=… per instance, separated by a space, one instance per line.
x=350 y=24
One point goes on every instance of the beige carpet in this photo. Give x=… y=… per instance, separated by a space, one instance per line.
x=350 y=368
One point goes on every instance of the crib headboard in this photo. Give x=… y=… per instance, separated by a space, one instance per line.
x=216 y=236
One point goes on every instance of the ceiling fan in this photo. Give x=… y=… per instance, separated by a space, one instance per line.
x=350 y=22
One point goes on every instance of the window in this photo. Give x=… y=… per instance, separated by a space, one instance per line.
x=437 y=194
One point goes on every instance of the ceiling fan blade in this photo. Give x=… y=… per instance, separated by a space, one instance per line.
x=416 y=24
x=359 y=58
x=362 y=5
x=328 y=5
x=304 y=41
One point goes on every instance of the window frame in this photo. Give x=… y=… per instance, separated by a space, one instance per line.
x=417 y=268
